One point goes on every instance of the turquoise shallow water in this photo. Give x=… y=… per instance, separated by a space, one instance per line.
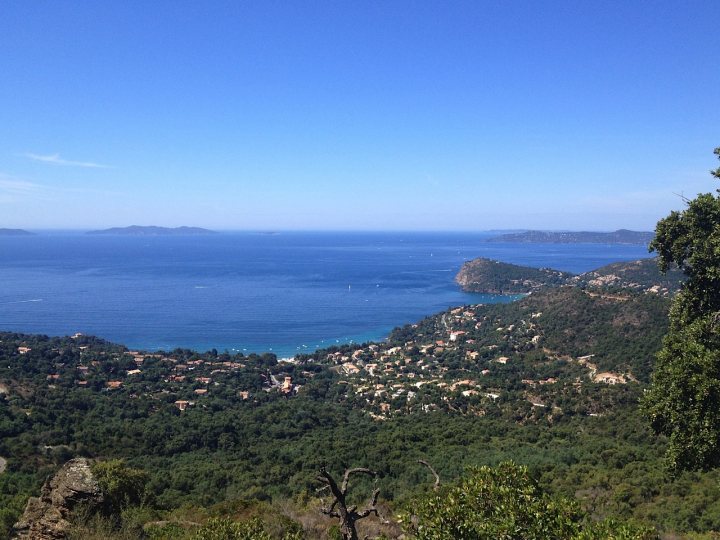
x=283 y=293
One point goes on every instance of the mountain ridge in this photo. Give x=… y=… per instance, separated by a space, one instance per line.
x=620 y=236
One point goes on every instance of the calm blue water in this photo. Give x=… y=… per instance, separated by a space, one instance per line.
x=285 y=292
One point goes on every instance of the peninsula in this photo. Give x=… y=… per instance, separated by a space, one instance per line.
x=495 y=277
x=137 y=230
x=621 y=236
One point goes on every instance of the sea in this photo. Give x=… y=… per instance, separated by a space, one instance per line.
x=284 y=293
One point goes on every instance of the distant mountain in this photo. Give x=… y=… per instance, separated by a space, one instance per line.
x=621 y=236
x=15 y=232
x=137 y=230
x=488 y=276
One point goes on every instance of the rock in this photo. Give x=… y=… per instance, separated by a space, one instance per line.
x=48 y=517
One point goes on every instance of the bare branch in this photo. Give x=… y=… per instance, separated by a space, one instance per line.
x=357 y=470
x=437 y=477
x=373 y=501
x=365 y=513
x=372 y=506
x=347 y=515
x=334 y=489
x=330 y=512
x=683 y=197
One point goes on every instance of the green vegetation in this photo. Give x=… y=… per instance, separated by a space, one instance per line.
x=684 y=399
x=505 y=502
x=212 y=445
x=644 y=275
x=122 y=486
x=641 y=275
x=590 y=445
x=221 y=529
x=495 y=277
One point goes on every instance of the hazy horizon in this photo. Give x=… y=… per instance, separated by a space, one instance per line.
x=280 y=231
x=356 y=116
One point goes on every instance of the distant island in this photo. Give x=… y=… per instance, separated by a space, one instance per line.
x=621 y=236
x=15 y=232
x=137 y=230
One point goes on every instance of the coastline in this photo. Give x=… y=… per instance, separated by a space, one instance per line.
x=279 y=293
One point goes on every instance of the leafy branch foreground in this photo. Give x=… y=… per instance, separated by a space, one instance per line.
x=683 y=401
x=505 y=502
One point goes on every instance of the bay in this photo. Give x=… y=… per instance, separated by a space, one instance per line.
x=284 y=293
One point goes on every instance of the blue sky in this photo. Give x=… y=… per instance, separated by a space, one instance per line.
x=356 y=115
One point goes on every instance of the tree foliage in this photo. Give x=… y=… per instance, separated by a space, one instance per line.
x=505 y=502
x=684 y=399
x=122 y=485
x=226 y=529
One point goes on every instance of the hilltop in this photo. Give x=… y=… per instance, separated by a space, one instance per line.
x=642 y=275
x=137 y=230
x=621 y=236
x=489 y=276
x=495 y=277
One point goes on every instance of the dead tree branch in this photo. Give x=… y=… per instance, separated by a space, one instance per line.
x=437 y=477
x=348 y=515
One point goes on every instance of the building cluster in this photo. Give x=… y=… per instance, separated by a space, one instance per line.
x=463 y=358
x=151 y=374
x=450 y=361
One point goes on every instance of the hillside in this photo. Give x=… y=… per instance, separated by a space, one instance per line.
x=495 y=277
x=137 y=230
x=621 y=236
x=550 y=346
x=641 y=275
x=550 y=381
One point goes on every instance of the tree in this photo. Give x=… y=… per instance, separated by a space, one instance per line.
x=505 y=502
x=122 y=485
x=683 y=401
x=347 y=515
